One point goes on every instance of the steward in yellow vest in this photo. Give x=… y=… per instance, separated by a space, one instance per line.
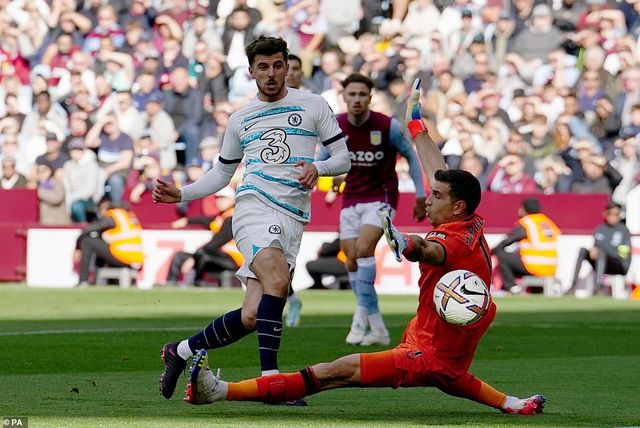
x=218 y=255
x=537 y=237
x=115 y=239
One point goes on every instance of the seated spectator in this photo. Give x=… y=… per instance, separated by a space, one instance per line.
x=11 y=179
x=535 y=43
x=540 y=141
x=330 y=261
x=115 y=154
x=81 y=180
x=599 y=176
x=611 y=252
x=626 y=160
x=213 y=256
x=237 y=33
x=553 y=176
x=144 y=182
x=45 y=110
x=509 y=176
x=107 y=27
x=184 y=105
x=607 y=123
x=54 y=157
x=159 y=126
x=51 y=198
x=537 y=253
x=114 y=239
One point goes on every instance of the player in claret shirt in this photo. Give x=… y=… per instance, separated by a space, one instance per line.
x=374 y=141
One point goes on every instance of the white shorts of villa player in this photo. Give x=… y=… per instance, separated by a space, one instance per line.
x=354 y=217
x=256 y=226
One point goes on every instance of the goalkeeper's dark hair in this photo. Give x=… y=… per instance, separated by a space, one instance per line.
x=463 y=187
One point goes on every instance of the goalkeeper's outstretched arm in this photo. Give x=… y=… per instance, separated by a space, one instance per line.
x=428 y=151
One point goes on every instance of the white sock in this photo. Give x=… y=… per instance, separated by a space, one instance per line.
x=184 y=351
x=269 y=372
x=514 y=403
x=377 y=323
x=359 y=321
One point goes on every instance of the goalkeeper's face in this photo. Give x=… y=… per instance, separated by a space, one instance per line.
x=440 y=207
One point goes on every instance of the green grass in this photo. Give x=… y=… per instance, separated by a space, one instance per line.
x=90 y=357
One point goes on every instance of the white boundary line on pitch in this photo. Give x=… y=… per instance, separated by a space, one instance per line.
x=155 y=329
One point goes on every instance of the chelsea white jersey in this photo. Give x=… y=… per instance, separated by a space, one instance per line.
x=272 y=137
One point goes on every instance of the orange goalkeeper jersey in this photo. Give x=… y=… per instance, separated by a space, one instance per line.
x=452 y=347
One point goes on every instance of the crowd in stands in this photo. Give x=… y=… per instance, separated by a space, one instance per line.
x=106 y=95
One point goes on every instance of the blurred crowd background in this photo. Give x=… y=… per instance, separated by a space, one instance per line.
x=104 y=96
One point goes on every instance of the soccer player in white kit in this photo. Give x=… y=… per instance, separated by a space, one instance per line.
x=276 y=133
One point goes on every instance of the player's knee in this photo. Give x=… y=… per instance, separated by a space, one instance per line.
x=365 y=249
x=249 y=318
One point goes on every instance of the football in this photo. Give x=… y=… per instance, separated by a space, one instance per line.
x=461 y=297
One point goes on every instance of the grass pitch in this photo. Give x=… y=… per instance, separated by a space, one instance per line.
x=90 y=357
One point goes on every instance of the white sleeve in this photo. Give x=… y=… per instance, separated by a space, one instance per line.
x=332 y=139
x=338 y=162
x=220 y=175
x=212 y=182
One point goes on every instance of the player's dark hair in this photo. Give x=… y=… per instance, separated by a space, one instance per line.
x=463 y=187
x=265 y=45
x=357 y=78
x=294 y=57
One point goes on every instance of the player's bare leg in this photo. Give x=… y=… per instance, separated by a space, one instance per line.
x=366 y=263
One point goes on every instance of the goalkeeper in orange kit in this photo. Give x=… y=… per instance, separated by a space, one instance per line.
x=432 y=353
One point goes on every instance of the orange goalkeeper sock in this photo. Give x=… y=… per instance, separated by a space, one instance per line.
x=472 y=388
x=275 y=388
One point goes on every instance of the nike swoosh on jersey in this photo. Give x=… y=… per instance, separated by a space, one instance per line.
x=249 y=126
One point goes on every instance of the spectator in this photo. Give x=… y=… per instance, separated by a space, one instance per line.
x=590 y=90
x=46 y=110
x=143 y=183
x=11 y=178
x=599 y=176
x=160 y=128
x=509 y=176
x=553 y=176
x=81 y=180
x=107 y=28
x=113 y=239
x=213 y=82
x=51 y=198
x=566 y=17
x=184 y=105
x=201 y=29
x=536 y=42
x=54 y=157
x=611 y=252
x=237 y=33
x=330 y=261
x=537 y=254
x=607 y=124
x=115 y=154
x=213 y=256
x=626 y=160
x=540 y=141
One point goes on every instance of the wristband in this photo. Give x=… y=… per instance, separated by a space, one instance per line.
x=409 y=248
x=415 y=127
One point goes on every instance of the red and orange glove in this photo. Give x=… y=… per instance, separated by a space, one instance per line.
x=413 y=117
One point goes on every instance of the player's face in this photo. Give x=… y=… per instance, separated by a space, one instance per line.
x=357 y=96
x=294 y=77
x=270 y=72
x=440 y=207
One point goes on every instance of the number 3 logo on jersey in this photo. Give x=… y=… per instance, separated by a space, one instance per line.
x=277 y=151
